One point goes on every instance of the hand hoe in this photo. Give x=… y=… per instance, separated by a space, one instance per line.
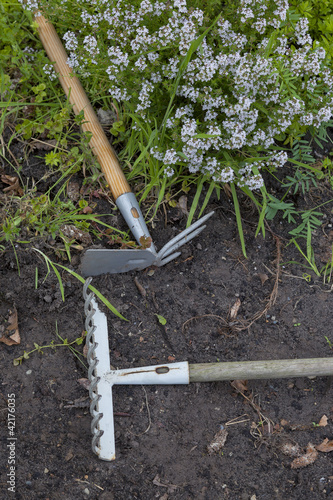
x=99 y=261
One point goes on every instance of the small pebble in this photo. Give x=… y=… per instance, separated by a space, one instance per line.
x=29 y=372
x=86 y=491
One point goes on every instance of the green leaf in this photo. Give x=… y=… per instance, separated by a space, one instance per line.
x=161 y=319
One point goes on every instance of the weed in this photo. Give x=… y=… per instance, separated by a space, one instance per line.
x=330 y=344
x=302 y=151
x=301 y=180
x=52 y=345
x=50 y=265
x=161 y=319
x=309 y=253
x=327 y=270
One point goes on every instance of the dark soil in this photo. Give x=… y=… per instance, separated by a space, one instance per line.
x=163 y=432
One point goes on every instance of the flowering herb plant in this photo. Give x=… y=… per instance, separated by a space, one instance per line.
x=209 y=94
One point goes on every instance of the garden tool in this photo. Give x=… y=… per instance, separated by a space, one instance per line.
x=98 y=261
x=102 y=378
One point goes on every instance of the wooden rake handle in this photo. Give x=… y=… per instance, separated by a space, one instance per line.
x=78 y=98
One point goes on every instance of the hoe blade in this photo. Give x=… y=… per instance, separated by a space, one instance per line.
x=100 y=261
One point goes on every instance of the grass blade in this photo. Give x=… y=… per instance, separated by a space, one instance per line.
x=195 y=201
x=238 y=218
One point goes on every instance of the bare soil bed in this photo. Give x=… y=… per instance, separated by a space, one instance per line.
x=164 y=433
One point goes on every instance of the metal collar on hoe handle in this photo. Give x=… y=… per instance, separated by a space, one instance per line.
x=102 y=378
x=98 y=261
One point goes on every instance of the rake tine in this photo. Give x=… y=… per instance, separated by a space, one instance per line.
x=182 y=238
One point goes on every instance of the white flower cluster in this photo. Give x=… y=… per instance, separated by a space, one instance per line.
x=31 y=5
x=228 y=36
x=231 y=96
x=70 y=39
x=301 y=32
x=49 y=71
x=256 y=9
x=90 y=46
x=29 y=53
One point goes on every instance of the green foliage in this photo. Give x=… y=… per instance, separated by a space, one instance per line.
x=327 y=270
x=52 y=266
x=36 y=100
x=320 y=16
x=301 y=181
x=117 y=128
x=52 y=345
x=148 y=128
x=302 y=151
x=161 y=319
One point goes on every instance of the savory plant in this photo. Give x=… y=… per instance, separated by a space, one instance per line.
x=218 y=92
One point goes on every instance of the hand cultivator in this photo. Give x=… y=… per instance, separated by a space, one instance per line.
x=98 y=261
x=102 y=378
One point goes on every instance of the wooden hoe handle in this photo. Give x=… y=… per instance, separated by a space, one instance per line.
x=80 y=102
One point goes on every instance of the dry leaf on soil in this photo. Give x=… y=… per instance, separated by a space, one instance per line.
x=182 y=203
x=73 y=190
x=291 y=449
x=326 y=446
x=307 y=459
x=218 y=441
x=13 y=185
x=46 y=145
x=85 y=382
x=263 y=277
x=323 y=421
x=73 y=233
x=85 y=350
x=234 y=309
x=240 y=385
x=8 y=337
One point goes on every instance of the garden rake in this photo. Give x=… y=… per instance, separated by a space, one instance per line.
x=102 y=378
x=99 y=261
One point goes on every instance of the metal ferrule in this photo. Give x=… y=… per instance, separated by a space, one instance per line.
x=130 y=210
